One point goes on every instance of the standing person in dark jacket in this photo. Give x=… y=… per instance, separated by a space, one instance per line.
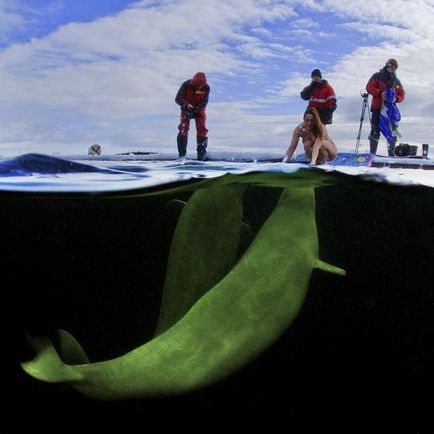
x=192 y=97
x=321 y=96
x=376 y=86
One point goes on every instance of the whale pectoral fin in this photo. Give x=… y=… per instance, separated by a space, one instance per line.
x=324 y=266
x=47 y=365
x=70 y=350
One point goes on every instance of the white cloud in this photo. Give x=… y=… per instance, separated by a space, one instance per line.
x=114 y=80
x=9 y=19
x=305 y=23
x=405 y=27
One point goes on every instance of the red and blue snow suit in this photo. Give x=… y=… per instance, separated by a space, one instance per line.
x=377 y=84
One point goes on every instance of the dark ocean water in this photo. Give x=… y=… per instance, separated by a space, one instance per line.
x=88 y=253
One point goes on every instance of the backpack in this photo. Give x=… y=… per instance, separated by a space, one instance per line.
x=405 y=150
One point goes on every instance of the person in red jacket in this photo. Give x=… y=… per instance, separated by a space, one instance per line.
x=321 y=96
x=192 y=97
x=376 y=86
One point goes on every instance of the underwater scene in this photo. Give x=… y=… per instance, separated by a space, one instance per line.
x=208 y=297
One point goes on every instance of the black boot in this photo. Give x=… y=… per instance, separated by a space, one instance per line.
x=182 y=145
x=391 y=148
x=374 y=137
x=202 y=143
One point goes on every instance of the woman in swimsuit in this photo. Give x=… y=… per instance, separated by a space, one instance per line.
x=318 y=145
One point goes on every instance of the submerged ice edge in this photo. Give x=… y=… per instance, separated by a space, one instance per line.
x=41 y=173
x=385 y=175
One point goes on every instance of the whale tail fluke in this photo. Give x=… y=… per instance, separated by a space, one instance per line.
x=47 y=364
x=70 y=350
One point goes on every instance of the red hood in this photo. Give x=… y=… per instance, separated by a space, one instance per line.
x=199 y=79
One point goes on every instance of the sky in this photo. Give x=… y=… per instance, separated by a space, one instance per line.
x=74 y=73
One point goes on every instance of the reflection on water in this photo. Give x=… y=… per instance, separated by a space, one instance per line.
x=94 y=264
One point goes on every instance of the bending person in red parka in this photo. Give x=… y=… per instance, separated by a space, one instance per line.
x=192 y=97
x=377 y=86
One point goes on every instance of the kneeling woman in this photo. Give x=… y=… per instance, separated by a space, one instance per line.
x=318 y=146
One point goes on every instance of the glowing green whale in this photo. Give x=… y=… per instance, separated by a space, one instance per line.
x=216 y=316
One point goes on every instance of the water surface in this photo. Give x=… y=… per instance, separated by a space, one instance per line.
x=85 y=249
